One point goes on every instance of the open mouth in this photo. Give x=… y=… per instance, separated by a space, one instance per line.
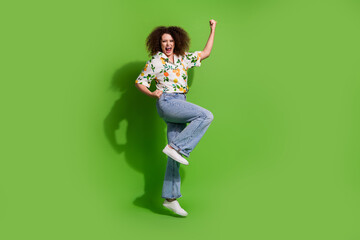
x=168 y=49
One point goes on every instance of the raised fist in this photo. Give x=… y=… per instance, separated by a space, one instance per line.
x=212 y=24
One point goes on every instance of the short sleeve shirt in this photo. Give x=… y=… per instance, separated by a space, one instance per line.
x=169 y=77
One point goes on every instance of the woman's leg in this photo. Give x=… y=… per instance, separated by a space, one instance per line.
x=177 y=110
x=171 y=186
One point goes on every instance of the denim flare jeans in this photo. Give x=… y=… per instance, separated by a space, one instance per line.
x=186 y=124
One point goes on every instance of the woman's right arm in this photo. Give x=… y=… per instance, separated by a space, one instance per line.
x=155 y=94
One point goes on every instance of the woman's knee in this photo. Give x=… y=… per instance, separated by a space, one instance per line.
x=208 y=115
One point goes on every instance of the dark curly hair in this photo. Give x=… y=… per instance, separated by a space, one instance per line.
x=180 y=36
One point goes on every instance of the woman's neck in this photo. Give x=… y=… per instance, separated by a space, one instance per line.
x=171 y=57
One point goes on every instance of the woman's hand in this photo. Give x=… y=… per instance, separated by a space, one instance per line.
x=145 y=90
x=212 y=24
x=157 y=93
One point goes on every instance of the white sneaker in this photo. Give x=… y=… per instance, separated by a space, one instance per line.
x=175 y=207
x=175 y=155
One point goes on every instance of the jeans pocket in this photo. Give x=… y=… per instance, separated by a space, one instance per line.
x=162 y=97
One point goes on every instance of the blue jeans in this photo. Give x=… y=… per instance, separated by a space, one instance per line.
x=183 y=137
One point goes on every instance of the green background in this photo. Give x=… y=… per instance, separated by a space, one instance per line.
x=81 y=146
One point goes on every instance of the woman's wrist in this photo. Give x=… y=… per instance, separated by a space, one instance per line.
x=152 y=94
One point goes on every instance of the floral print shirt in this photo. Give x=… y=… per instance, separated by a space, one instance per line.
x=169 y=77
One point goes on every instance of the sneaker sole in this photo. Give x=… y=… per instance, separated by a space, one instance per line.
x=183 y=215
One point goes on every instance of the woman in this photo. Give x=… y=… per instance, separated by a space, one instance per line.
x=168 y=66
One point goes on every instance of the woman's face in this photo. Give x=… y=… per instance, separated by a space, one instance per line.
x=167 y=44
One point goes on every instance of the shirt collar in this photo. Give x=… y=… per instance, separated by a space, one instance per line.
x=161 y=54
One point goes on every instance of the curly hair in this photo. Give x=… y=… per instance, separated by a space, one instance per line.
x=180 y=36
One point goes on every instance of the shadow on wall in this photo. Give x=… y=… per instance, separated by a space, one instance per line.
x=145 y=134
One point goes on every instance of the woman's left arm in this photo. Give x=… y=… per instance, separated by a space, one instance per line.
x=207 y=50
